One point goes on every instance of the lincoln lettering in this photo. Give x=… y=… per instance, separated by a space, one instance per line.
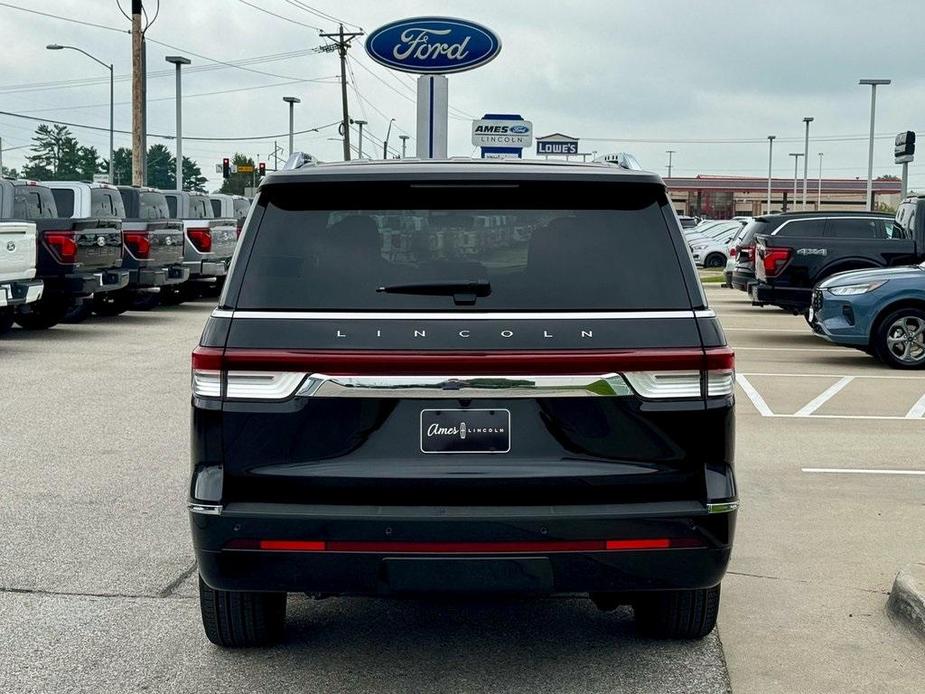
x=416 y=42
x=505 y=333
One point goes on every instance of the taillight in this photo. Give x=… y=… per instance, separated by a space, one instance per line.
x=733 y=252
x=62 y=245
x=749 y=253
x=138 y=242
x=774 y=260
x=201 y=239
x=237 y=231
x=212 y=379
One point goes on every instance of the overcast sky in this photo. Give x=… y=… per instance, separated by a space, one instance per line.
x=696 y=77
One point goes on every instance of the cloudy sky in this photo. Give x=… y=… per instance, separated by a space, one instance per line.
x=708 y=79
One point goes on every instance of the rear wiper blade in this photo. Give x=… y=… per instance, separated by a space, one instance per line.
x=464 y=292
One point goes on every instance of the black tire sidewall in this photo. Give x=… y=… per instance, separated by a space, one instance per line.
x=880 y=346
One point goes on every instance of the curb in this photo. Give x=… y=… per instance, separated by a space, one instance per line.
x=907 y=598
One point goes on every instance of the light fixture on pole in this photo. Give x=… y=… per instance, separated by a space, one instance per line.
x=360 y=123
x=179 y=61
x=770 y=163
x=292 y=101
x=670 y=153
x=385 y=143
x=404 y=144
x=819 y=189
x=807 y=120
x=58 y=47
x=870 y=149
x=796 y=173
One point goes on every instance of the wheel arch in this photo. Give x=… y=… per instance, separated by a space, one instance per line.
x=906 y=302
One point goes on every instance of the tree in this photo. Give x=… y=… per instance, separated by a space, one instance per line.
x=162 y=168
x=888 y=177
x=55 y=154
x=237 y=182
x=9 y=173
x=89 y=163
x=122 y=166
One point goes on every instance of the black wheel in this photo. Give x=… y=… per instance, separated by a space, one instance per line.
x=214 y=288
x=172 y=296
x=900 y=339
x=7 y=316
x=79 y=313
x=42 y=314
x=677 y=614
x=239 y=619
x=714 y=260
x=109 y=304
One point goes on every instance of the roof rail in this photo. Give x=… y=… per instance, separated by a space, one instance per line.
x=297 y=160
x=624 y=160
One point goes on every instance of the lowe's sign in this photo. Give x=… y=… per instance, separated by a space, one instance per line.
x=557 y=143
x=432 y=45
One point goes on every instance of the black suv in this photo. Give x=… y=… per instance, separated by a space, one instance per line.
x=462 y=376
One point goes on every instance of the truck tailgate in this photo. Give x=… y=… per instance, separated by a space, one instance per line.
x=224 y=237
x=166 y=238
x=81 y=245
x=17 y=251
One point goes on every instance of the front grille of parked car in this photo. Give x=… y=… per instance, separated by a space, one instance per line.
x=817 y=300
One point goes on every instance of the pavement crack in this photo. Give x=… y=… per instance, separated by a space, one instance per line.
x=806 y=582
x=168 y=590
x=81 y=594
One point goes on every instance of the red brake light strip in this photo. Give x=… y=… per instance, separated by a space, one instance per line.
x=399 y=547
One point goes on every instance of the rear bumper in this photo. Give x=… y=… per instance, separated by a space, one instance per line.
x=794 y=298
x=452 y=549
x=206 y=268
x=20 y=292
x=158 y=277
x=741 y=279
x=88 y=283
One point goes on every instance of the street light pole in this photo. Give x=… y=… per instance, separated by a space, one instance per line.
x=112 y=103
x=770 y=167
x=385 y=143
x=179 y=61
x=870 y=149
x=670 y=153
x=360 y=123
x=807 y=120
x=796 y=173
x=819 y=189
x=404 y=144
x=292 y=101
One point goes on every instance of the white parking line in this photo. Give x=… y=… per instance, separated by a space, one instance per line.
x=823 y=397
x=815 y=375
x=754 y=396
x=918 y=409
x=790 y=349
x=806 y=331
x=853 y=471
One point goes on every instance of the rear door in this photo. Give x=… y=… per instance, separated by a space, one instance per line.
x=872 y=238
x=17 y=251
x=413 y=343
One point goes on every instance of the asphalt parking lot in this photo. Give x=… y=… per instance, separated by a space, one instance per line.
x=97 y=587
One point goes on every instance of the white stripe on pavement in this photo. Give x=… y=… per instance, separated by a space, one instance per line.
x=823 y=397
x=853 y=471
x=754 y=396
x=917 y=410
x=840 y=350
x=806 y=375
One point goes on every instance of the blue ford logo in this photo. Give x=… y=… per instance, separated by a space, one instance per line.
x=519 y=129
x=432 y=45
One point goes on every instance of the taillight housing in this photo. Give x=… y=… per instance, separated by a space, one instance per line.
x=201 y=239
x=774 y=260
x=237 y=231
x=733 y=252
x=138 y=243
x=749 y=253
x=63 y=246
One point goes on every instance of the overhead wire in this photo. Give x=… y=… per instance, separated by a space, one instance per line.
x=287 y=19
x=321 y=14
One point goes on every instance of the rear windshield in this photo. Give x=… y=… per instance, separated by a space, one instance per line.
x=64 y=201
x=153 y=206
x=554 y=246
x=753 y=229
x=200 y=207
x=33 y=202
x=105 y=202
x=216 y=207
x=241 y=208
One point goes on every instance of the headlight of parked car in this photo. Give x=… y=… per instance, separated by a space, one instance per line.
x=854 y=289
x=699 y=246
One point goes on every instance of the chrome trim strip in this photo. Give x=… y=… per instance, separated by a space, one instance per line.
x=205 y=509
x=465 y=387
x=723 y=507
x=460 y=315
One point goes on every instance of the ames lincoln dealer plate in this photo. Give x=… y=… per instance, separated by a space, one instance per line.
x=465 y=431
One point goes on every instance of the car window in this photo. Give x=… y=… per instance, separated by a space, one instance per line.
x=106 y=203
x=324 y=251
x=216 y=207
x=857 y=228
x=64 y=201
x=155 y=206
x=33 y=202
x=200 y=207
x=802 y=227
x=241 y=208
x=172 y=205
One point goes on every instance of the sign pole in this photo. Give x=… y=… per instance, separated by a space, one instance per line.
x=905 y=186
x=433 y=116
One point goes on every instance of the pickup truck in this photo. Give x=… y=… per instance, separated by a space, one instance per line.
x=797 y=251
x=152 y=245
x=234 y=206
x=208 y=242
x=17 y=270
x=75 y=258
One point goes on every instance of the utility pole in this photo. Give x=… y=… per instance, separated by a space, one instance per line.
x=404 y=144
x=275 y=156
x=138 y=123
x=385 y=143
x=670 y=153
x=341 y=42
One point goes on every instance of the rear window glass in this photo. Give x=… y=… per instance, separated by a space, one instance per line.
x=106 y=203
x=64 y=201
x=172 y=205
x=154 y=206
x=200 y=207
x=802 y=227
x=216 y=207
x=858 y=228
x=33 y=202
x=553 y=246
x=753 y=229
x=241 y=208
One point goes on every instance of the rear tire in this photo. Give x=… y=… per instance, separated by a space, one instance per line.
x=172 y=296
x=7 y=317
x=79 y=313
x=714 y=260
x=42 y=314
x=237 y=619
x=677 y=614
x=900 y=339
x=110 y=304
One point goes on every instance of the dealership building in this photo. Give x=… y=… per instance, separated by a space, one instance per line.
x=722 y=197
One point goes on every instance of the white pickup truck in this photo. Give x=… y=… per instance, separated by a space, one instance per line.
x=232 y=206
x=17 y=270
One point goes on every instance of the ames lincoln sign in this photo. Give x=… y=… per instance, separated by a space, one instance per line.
x=433 y=45
x=500 y=132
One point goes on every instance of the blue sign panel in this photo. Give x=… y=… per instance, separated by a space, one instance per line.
x=432 y=45
x=502 y=152
x=556 y=147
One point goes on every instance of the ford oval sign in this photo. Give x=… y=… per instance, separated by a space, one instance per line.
x=432 y=45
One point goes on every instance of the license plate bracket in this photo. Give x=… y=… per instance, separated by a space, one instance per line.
x=465 y=431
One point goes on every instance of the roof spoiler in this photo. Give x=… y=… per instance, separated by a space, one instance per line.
x=297 y=160
x=624 y=160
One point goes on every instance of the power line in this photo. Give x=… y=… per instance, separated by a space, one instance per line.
x=273 y=14
x=222 y=62
x=65 y=19
x=322 y=15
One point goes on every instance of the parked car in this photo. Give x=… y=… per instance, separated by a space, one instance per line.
x=75 y=258
x=520 y=407
x=881 y=312
x=713 y=251
x=209 y=241
x=152 y=248
x=688 y=222
x=18 y=285
x=733 y=255
x=230 y=206
x=805 y=248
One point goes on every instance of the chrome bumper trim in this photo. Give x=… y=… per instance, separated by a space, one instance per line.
x=205 y=509
x=723 y=507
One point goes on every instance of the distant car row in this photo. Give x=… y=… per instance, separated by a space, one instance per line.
x=70 y=248
x=710 y=240
x=857 y=277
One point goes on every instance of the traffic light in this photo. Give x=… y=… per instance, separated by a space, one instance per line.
x=262 y=168
x=226 y=167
